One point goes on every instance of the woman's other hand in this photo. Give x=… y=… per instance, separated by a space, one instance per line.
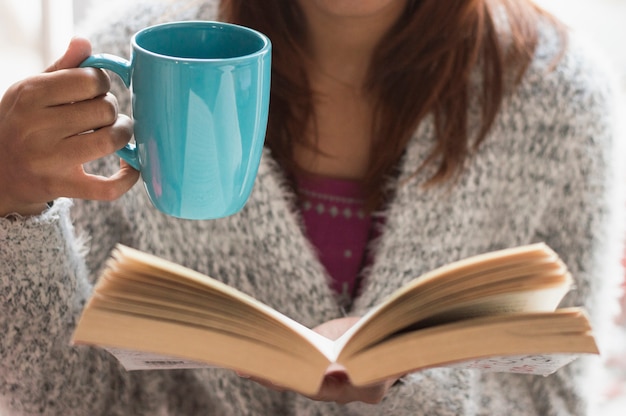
x=43 y=120
x=336 y=386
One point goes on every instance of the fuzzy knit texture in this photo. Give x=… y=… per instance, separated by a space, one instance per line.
x=547 y=172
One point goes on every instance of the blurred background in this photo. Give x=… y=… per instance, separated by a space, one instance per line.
x=33 y=33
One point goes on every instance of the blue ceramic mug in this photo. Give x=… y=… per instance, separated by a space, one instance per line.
x=200 y=97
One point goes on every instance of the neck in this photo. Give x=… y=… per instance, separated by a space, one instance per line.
x=341 y=44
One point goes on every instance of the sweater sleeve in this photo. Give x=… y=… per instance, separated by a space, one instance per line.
x=43 y=285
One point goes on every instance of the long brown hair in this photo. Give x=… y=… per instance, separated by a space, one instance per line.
x=421 y=67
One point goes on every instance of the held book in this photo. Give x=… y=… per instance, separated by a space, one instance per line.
x=496 y=311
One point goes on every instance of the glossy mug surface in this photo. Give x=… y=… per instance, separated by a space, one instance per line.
x=200 y=98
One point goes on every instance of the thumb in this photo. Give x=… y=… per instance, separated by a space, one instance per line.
x=77 y=51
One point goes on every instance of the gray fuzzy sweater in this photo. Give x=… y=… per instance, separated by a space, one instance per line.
x=547 y=172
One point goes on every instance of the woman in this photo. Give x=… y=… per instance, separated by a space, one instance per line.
x=445 y=129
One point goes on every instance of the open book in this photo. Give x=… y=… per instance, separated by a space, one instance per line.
x=495 y=311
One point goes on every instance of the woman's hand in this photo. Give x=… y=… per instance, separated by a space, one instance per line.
x=42 y=121
x=337 y=386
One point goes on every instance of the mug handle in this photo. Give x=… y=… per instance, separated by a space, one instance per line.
x=122 y=68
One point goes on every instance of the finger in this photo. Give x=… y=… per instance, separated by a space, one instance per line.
x=75 y=118
x=101 y=188
x=337 y=387
x=83 y=148
x=335 y=390
x=77 y=51
x=335 y=328
x=64 y=86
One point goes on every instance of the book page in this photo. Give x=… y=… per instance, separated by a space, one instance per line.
x=528 y=278
x=299 y=370
x=561 y=333
x=144 y=274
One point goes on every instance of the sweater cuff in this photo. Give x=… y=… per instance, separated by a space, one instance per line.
x=16 y=229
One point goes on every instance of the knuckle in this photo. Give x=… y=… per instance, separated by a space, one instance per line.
x=105 y=80
x=106 y=145
x=97 y=82
x=111 y=139
x=122 y=132
x=113 y=100
x=13 y=93
x=107 y=111
x=18 y=121
x=22 y=93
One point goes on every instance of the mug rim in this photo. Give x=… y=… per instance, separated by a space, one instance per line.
x=205 y=23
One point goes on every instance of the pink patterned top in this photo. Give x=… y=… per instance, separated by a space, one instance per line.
x=338 y=227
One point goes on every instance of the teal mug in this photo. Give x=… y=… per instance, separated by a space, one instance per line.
x=200 y=99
